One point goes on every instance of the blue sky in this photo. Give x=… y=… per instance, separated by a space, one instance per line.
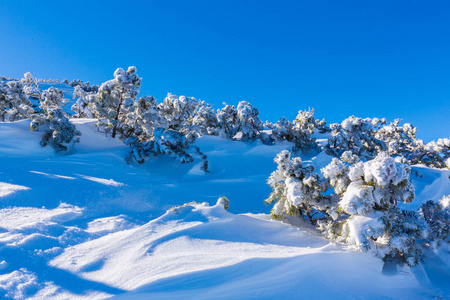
x=364 y=58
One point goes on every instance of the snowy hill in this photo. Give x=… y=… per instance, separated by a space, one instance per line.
x=86 y=225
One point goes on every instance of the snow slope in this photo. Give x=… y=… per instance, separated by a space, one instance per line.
x=88 y=226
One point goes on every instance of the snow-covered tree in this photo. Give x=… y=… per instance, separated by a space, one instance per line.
x=179 y=113
x=298 y=190
x=144 y=118
x=228 y=120
x=435 y=153
x=249 y=123
x=437 y=216
x=304 y=126
x=282 y=130
x=299 y=131
x=399 y=140
x=81 y=106
x=205 y=120
x=164 y=142
x=241 y=123
x=59 y=133
x=14 y=102
x=369 y=195
x=402 y=141
x=356 y=135
x=113 y=101
x=151 y=129
x=375 y=185
x=402 y=236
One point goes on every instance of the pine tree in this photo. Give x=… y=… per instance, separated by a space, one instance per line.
x=113 y=101
x=298 y=191
x=356 y=135
x=241 y=123
x=59 y=133
x=14 y=102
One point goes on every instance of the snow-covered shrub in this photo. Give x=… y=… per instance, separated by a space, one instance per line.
x=81 y=106
x=399 y=140
x=304 y=126
x=164 y=142
x=205 y=120
x=249 y=123
x=375 y=185
x=149 y=128
x=179 y=112
x=402 y=141
x=298 y=190
x=369 y=195
x=113 y=101
x=144 y=118
x=14 y=102
x=435 y=154
x=363 y=209
x=240 y=123
x=403 y=232
x=223 y=201
x=299 y=131
x=228 y=119
x=58 y=131
x=282 y=130
x=356 y=135
x=163 y=129
x=86 y=86
x=437 y=216
x=51 y=98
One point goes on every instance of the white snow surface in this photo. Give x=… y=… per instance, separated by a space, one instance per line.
x=85 y=225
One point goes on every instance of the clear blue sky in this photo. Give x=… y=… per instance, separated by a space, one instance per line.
x=365 y=58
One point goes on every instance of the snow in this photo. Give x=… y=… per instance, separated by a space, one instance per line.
x=7 y=189
x=86 y=225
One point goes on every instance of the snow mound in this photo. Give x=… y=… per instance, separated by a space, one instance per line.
x=7 y=189
x=203 y=252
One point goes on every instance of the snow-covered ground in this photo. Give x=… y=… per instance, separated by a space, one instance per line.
x=86 y=225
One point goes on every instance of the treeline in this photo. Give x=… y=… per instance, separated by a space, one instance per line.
x=172 y=126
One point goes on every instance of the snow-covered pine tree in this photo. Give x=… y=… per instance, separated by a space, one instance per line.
x=399 y=140
x=298 y=191
x=249 y=124
x=228 y=120
x=401 y=238
x=435 y=153
x=369 y=195
x=150 y=132
x=304 y=126
x=282 y=130
x=299 y=131
x=356 y=135
x=179 y=113
x=205 y=120
x=59 y=133
x=81 y=107
x=14 y=102
x=113 y=101
x=241 y=123
x=402 y=141
x=437 y=216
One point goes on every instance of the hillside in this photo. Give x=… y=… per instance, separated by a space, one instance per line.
x=86 y=225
